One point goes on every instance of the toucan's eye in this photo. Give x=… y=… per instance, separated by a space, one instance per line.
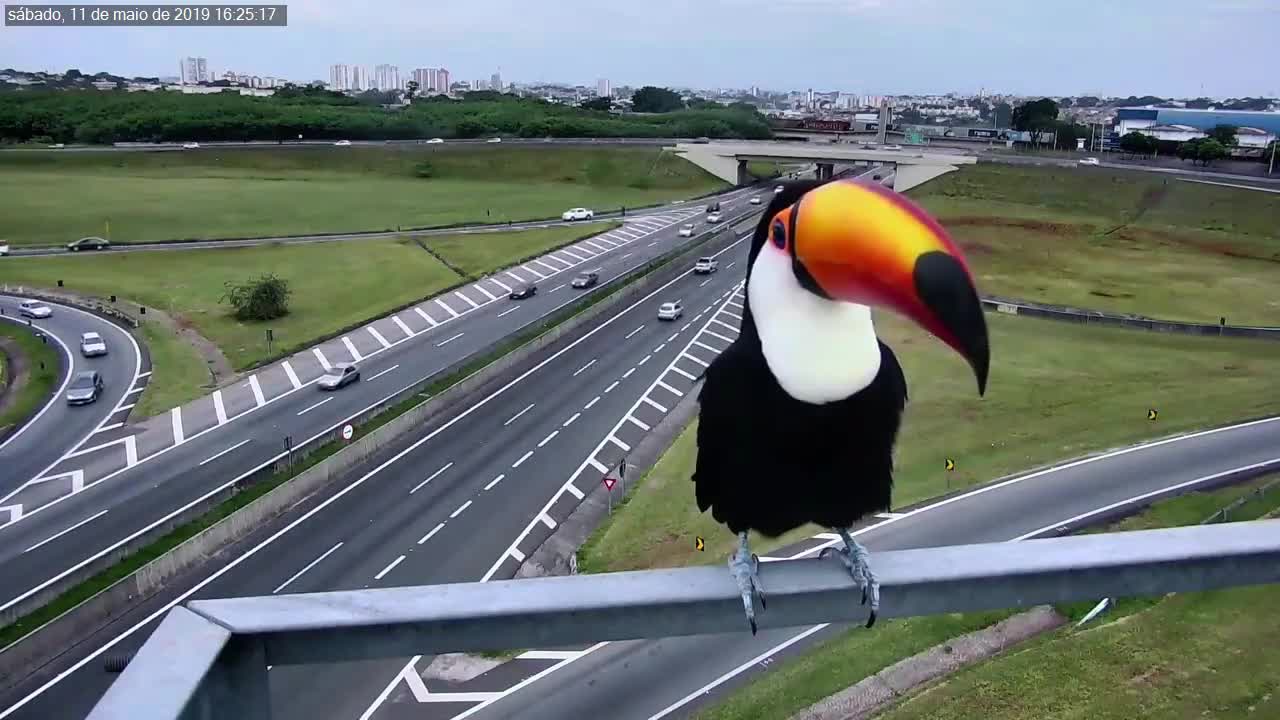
x=779 y=234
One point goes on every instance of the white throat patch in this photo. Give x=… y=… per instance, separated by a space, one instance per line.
x=819 y=350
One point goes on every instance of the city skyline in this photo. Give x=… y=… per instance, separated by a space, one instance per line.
x=862 y=46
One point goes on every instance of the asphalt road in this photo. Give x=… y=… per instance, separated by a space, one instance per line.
x=462 y=500
x=140 y=474
x=268 y=145
x=58 y=427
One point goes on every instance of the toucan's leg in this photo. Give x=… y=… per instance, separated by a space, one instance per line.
x=745 y=567
x=856 y=558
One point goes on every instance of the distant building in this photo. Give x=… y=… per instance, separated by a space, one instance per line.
x=386 y=77
x=442 y=82
x=339 y=77
x=1255 y=129
x=495 y=82
x=602 y=88
x=193 y=70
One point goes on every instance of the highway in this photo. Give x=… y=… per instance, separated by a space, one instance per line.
x=458 y=502
x=57 y=427
x=143 y=473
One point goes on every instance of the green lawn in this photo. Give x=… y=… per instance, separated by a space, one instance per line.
x=217 y=193
x=1115 y=240
x=335 y=285
x=40 y=383
x=1041 y=682
x=1055 y=391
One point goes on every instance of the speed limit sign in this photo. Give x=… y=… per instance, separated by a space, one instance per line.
x=348 y=432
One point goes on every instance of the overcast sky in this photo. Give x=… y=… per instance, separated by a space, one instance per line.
x=1167 y=48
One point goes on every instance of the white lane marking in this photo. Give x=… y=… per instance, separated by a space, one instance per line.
x=55 y=536
x=324 y=362
x=574 y=491
x=732 y=314
x=552 y=268
x=175 y=419
x=423 y=314
x=130 y=451
x=635 y=421
x=569 y=422
x=467 y=300
x=519 y=556
x=105 y=428
x=612 y=386
x=257 y=391
x=306 y=410
x=484 y=292
x=735 y=262
x=136 y=390
x=389 y=568
x=586 y=254
x=735 y=304
x=505 y=287
x=434 y=530
x=887 y=516
x=674 y=335
x=669 y=389
x=548 y=438
x=523 y=457
x=351 y=348
x=584 y=367
x=593 y=462
x=217 y=455
x=704 y=282
x=676 y=369
x=458 y=512
x=659 y=348
x=624 y=257
x=627 y=374
x=516 y=277
x=654 y=403
x=594 y=400
x=549 y=655
x=508 y=312
x=686 y=326
x=122 y=407
x=517 y=415
x=558 y=287
x=597 y=246
x=655 y=242
x=446 y=342
x=715 y=334
x=633 y=332
x=433 y=476
x=573 y=259
x=614 y=439
x=495 y=481
x=293 y=376
x=696 y=359
x=235 y=562
x=721 y=322
x=310 y=565
x=531 y=271
x=141 y=375
x=76 y=477
x=404 y=327
x=705 y=346
x=551 y=524
x=384 y=372
x=378 y=336
x=1234 y=185
x=446 y=308
x=514 y=688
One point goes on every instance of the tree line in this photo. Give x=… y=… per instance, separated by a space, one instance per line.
x=102 y=117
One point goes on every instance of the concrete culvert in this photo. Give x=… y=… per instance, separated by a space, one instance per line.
x=116 y=662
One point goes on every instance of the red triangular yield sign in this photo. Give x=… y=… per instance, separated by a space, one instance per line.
x=608 y=482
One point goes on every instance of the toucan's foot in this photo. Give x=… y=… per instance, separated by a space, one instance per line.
x=745 y=567
x=857 y=559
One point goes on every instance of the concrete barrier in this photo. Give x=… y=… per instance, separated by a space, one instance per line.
x=96 y=307
x=47 y=642
x=1081 y=316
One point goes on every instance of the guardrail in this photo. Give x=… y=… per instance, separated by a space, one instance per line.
x=210 y=657
x=94 y=306
x=1137 y=322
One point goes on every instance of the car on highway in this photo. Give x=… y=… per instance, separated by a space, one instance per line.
x=713 y=217
x=494 y=139
x=191 y=146
x=89 y=243
x=755 y=200
x=777 y=189
x=705 y=266
x=84 y=388
x=34 y=309
x=892 y=147
x=92 y=345
x=4 y=249
x=521 y=292
x=586 y=280
x=577 y=214
x=714 y=207
x=670 y=310
x=435 y=141
x=341 y=375
x=1089 y=161
x=686 y=230
x=343 y=143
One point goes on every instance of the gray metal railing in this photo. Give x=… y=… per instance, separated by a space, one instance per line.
x=210 y=658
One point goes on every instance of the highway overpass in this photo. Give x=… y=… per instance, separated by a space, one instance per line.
x=728 y=160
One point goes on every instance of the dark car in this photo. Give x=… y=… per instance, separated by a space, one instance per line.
x=89 y=243
x=586 y=280
x=524 y=291
x=84 y=388
x=713 y=207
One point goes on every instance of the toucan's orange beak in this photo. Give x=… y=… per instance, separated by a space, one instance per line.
x=863 y=243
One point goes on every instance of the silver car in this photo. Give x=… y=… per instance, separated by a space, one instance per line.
x=35 y=309
x=670 y=310
x=92 y=345
x=341 y=375
x=84 y=388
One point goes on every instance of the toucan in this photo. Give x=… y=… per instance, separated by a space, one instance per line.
x=799 y=415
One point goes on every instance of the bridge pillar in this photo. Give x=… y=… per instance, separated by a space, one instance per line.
x=744 y=177
x=826 y=170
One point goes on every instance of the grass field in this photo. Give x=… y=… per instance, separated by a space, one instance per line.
x=40 y=383
x=335 y=285
x=1055 y=391
x=216 y=193
x=1049 y=677
x=1123 y=241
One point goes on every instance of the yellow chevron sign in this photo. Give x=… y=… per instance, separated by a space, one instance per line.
x=951 y=464
x=1152 y=413
x=698 y=543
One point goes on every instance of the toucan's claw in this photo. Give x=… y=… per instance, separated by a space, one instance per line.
x=855 y=558
x=745 y=566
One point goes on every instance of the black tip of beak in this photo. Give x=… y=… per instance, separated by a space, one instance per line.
x=945 y=288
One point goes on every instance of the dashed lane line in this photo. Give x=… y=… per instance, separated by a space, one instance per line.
x=310 y=565
x=433 y=476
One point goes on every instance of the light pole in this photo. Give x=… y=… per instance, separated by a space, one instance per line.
x=1272 y=165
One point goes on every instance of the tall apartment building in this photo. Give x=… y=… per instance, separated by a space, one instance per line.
x=193 y=70
x=386 y=77
x=339 y=77
x=603 y=89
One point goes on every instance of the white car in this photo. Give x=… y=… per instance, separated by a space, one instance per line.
x=35 y=309
x=670 y=310
x=577 y=214
x=686 y=230
x=435 y=141
x=777 y=189
x=705 y=266
x=190 y=146
x=755 y=200
x=343 y=143
x=892 y=147
x=1088 y=161
x=494 y=139
x=92 y=345
x=4 y=249
x=713 y=217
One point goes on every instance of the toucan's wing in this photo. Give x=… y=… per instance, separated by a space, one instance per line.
x=724 y=425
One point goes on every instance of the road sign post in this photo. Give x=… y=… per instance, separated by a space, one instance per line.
x=608 y=486
x=348 y=432
x=288 y=448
